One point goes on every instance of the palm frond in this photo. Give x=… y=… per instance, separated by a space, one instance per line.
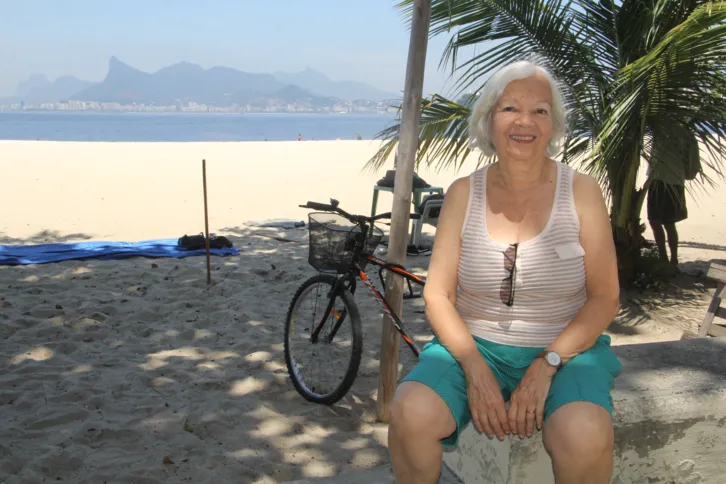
x=598 y=28
x=516 y=29
x=674 y=87
x=443 y=136
x=641 y=75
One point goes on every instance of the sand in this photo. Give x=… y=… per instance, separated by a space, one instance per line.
x=136 y=371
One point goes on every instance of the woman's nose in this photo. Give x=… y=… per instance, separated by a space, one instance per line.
x=524 y=119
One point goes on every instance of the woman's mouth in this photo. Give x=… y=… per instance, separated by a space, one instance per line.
x=522 y=139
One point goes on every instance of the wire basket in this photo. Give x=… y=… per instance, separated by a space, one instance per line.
x=333 y=240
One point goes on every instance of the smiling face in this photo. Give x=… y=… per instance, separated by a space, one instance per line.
x=521 y=124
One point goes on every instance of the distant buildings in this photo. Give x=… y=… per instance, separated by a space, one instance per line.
x=271 y=106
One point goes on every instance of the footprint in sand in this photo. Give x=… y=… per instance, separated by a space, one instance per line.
x=63 y=415
x=51 y=331
x=190 y=274
x=95 y=433
x=192 y=300
x=142 y=330
x=179 y=306
x=240 y=275
x=187 y=335
x=148 y=316
x=12 y=464
x=87 y=324
x=65 y=347
x=109 y=310
x=45 y=311
x=76 y=395
x=7 y=397
x=59 y=463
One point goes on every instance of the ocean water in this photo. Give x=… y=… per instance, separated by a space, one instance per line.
x=90 y=126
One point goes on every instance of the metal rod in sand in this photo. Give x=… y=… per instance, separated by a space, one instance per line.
x=206 y=220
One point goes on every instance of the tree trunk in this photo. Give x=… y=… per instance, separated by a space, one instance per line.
x=628 y=235
x=625 y=216
x=398 y=235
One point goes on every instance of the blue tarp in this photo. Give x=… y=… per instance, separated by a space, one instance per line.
x=13 y=255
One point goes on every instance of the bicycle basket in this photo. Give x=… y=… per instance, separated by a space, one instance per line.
x=333 y=239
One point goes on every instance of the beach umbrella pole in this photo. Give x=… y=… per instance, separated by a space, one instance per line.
x=206 y=220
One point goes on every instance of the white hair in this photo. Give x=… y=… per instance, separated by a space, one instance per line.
x=481 y=113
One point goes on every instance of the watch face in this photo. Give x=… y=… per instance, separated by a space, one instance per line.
x=553 y=358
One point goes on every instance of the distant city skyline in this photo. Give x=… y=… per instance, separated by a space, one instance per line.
x=336 y=37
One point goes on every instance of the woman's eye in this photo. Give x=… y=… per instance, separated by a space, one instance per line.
x=508 y=109
x=541 y=111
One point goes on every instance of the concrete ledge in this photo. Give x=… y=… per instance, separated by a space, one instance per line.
x=380 y=475
x=670 y=423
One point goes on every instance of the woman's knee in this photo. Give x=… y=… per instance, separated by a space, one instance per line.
x=579 y=433
x=418 y=411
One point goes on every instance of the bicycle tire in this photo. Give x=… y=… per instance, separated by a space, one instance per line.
x=351 y=373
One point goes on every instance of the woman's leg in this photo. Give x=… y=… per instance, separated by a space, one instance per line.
x=578 y=430
x=419 y=421
x=579 y=438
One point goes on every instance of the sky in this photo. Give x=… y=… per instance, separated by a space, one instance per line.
x=363 y=41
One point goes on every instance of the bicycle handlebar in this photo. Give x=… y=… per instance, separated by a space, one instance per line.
x=319 y=206
x=333 y=207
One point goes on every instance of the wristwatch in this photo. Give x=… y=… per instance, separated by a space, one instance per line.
x=552 y=358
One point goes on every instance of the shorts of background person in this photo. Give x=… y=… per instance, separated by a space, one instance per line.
x=666 y=202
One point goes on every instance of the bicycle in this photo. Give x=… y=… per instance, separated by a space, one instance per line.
x=341 y=245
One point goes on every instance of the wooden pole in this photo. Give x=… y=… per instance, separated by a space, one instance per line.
x=398 y=237
x=206 y=221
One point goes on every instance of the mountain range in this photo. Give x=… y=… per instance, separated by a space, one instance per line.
x=185 y=82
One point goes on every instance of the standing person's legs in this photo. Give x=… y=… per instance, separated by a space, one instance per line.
x=666 y=207
x=678 y=213
x=660 y=238
x=672 y=242
x=656 y=205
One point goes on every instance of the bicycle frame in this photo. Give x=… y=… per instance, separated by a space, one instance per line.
x=408 y=277
x=357 y=272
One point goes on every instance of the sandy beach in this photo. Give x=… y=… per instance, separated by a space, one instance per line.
x=136 y=371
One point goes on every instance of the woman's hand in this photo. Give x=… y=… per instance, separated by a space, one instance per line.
x=486 y=403
x=526 y=405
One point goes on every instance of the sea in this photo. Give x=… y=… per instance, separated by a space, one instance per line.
x=158 y=127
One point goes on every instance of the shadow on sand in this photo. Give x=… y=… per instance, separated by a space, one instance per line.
x=137 y=371
x=43 y=237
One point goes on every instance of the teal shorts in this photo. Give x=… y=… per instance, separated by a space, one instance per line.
x=588 y=377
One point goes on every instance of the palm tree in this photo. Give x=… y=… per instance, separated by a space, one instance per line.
x=638 y=74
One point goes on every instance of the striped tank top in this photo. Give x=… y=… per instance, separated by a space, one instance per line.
x=550 y=272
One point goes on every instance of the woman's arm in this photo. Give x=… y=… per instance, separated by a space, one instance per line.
x=484 y=395
x=601 y=269
x=442 y=279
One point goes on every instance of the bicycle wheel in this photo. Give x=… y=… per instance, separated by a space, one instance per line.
x=324 y=371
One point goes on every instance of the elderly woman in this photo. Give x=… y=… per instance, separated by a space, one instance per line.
x=521 y=286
